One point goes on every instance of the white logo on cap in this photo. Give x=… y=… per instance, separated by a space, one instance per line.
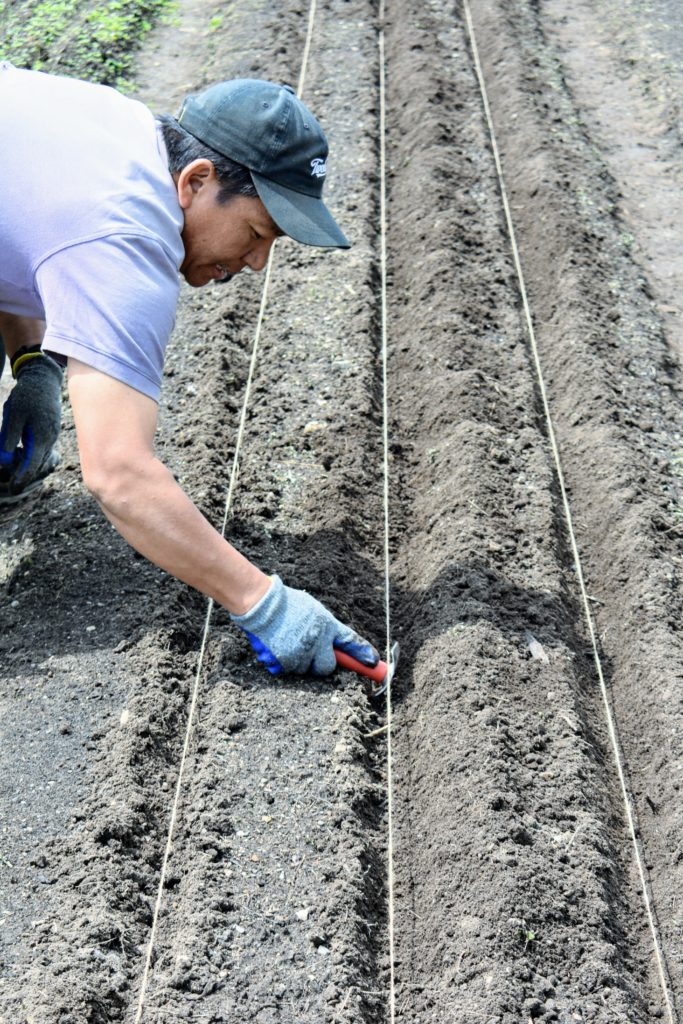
x=319 y=167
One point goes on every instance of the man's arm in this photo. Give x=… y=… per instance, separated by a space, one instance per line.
x=115 y=425
x=19 y=332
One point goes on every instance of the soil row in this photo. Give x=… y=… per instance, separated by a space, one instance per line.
x=616 y=389
x=533 y=907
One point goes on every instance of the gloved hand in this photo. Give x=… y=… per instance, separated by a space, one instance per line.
x=32 y=414
x=292 y=632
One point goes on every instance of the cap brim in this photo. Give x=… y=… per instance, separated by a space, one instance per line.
x=304 y=218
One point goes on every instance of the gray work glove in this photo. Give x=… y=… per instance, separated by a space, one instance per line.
x=31 y=417
x=292 y=632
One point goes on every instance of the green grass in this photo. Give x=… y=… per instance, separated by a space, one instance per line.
x=81 y=38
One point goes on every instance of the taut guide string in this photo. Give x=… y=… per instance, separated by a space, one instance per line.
x=210 y=606
x=385 y=462
x=625 y=792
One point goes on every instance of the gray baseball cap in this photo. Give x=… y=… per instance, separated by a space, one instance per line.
x=268 y=129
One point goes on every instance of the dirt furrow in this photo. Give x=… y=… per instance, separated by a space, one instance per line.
x=615 y=389
x=622 y=63
x=515 y=892
x=276 y=916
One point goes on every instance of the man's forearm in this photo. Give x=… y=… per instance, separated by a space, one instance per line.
x=155 y=516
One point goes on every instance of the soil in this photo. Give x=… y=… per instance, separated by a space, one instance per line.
x=516 y=892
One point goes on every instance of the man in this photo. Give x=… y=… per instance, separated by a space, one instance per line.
x=100 y=208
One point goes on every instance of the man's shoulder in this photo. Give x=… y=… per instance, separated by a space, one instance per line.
x=95 y=166
x=111 y=304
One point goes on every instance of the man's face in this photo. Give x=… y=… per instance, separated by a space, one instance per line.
x=220 y=239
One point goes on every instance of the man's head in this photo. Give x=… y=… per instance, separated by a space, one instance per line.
x=268 y=158
x=267 y=129
x=226 y=227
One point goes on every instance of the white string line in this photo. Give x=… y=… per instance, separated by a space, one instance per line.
x=307 y=48
x=211 y=603
x=385 y=445
x=625 y=792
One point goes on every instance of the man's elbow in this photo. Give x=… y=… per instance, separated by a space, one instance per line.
x=114 y=480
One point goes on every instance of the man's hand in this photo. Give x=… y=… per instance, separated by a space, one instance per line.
x=292 y=632
x=32 y=417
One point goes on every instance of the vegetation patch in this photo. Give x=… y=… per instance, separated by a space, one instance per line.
x=94 y=41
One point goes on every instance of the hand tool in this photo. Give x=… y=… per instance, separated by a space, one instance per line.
x=381 y=675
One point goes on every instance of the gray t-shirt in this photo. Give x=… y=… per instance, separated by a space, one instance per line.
x=89 y=223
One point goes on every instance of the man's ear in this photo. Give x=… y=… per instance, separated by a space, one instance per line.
x=192 y=179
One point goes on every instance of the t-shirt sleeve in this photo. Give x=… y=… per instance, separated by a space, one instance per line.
x=111 y=303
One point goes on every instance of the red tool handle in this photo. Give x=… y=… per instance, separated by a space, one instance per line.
x=378 y=673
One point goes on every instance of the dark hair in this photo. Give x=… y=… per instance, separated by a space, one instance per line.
x=182 y=148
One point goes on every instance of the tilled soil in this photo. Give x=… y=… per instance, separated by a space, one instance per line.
x=516 y=894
